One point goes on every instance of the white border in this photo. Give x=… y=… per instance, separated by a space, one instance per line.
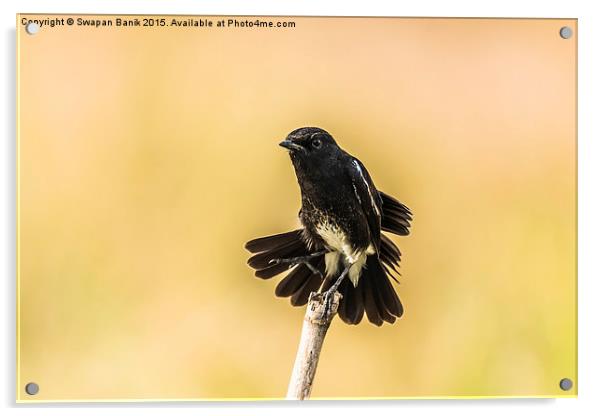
x=590 y=206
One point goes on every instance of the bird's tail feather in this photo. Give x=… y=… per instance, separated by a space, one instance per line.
x=374 y=294
x=396 y=216
x=300 y=281
x=270 y=242
x=274 y=247
x=311 y=284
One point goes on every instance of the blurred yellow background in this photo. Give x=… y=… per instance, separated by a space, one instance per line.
x=148 y=157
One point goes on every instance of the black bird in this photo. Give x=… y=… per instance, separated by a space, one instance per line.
x=340 y=246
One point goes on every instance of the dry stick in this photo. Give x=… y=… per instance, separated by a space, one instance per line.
x=318 y=317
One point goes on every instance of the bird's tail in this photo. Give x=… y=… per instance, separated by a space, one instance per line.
x=374 y=294
x=300 y=281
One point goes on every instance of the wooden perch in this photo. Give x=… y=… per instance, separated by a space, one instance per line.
x=318 y=317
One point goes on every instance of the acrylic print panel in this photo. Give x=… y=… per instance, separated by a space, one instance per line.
x=148 y=156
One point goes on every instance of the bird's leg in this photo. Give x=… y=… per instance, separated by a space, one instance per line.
x=302 y=260
x=329 y=294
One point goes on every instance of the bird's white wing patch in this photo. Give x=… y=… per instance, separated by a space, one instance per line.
x=372 y=200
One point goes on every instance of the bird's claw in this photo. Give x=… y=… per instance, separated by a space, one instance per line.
x=328 y=298
x=313 y=269
x=295 y=261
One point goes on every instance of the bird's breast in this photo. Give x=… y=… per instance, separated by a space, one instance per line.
x=337 y=240
x=333 y=236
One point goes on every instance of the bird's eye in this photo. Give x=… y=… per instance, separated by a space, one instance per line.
x=316 y=143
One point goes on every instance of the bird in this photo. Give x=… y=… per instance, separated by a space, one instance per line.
x=340 y=245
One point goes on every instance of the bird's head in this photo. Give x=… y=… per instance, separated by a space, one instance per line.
x=310 y=143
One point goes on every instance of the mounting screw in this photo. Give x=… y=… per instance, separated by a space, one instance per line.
x=32 y=389
x=566 y=32
x=32 y=28
x=566 y=384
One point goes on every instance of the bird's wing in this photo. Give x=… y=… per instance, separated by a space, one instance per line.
x=369 y=200
x=396 y=216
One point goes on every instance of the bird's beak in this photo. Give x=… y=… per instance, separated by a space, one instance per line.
x=290 y=145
